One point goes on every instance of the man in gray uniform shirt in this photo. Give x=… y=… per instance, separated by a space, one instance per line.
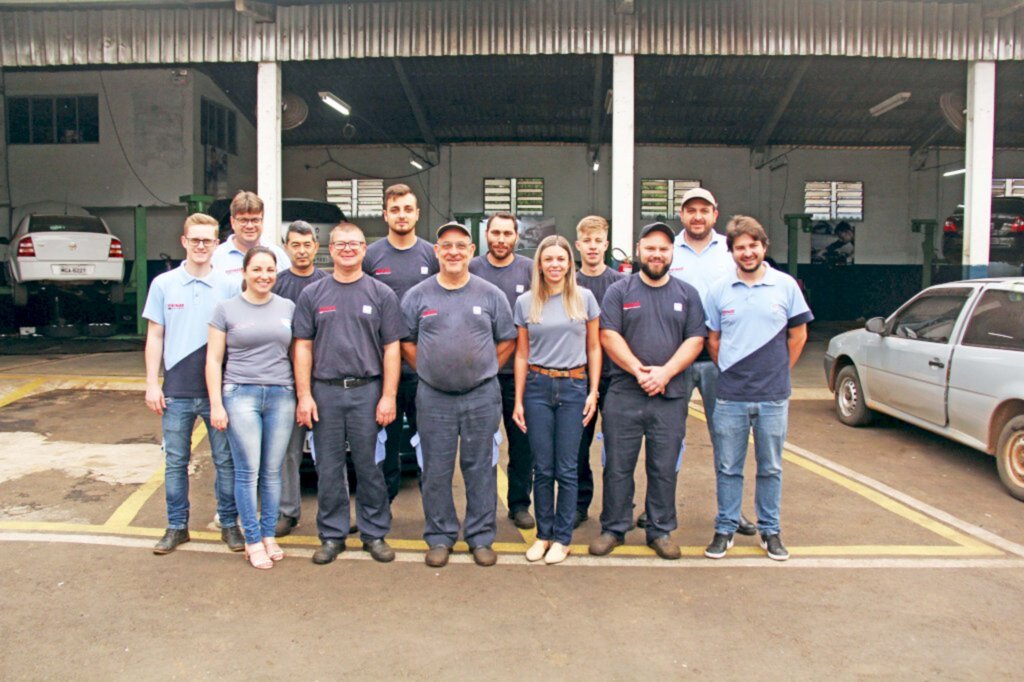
x=301 y=245
x=652 y=327
x=460 y=332
x=347 y=360
x=512 y=274
x=401 y=261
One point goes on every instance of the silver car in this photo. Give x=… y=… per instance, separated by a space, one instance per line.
x=950 y=360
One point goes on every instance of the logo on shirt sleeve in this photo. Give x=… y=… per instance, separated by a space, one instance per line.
x=729 y=311
x=429 y=313
x=424 y=270
x=678 y=307
x=326 y=309
x=367 y=310
x=381 y=271
x=632 y=305
x=477 y=310
x=520 y=288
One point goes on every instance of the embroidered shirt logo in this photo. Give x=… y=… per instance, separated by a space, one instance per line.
x=382 y=271
x=632 y=305
x=326 y=309
x=429 y=313
x=175 y=306
x=678 y=307
x=367 y=309
x=477 y=310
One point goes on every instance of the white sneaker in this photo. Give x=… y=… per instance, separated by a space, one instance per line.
x=537 y=550
x=557 y=553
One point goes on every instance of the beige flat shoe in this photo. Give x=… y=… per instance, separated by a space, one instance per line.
x=557 y=553
x=537 y=550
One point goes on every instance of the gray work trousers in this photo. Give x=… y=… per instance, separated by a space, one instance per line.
x=630 y=416
x=349 y=415
x=465 y=424
x=291 y=486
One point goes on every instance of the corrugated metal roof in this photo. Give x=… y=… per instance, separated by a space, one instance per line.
x=869 y=28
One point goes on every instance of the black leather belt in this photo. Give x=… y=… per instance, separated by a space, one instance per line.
x=349 y=382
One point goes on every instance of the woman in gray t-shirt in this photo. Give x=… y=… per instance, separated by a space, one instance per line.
x=557 y=370
x=253 y=397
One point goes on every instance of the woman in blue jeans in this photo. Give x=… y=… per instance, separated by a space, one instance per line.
x=557 y=370
x=255 y=398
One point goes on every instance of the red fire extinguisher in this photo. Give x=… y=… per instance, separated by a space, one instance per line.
x=625 y=264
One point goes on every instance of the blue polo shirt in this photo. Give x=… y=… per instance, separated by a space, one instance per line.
x=184 y=305
x=702 y=269
x=754 y=356
x=228 y=258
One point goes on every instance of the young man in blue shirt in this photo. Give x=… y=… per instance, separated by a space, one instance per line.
x=757 y=327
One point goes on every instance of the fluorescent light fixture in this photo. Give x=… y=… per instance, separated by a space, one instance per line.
x=597 y=163
x=415 y=163
x=959 y=171
x=335 y=102
x=889 y=104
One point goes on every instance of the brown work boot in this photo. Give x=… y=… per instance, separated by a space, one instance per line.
x=665 y=547
x=604 y=543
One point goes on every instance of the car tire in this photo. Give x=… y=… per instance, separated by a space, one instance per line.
x=117 y=293
x=849 y=399
x=20 y=294
x=1010 y=456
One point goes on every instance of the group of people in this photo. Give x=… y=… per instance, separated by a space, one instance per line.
x=270 y=352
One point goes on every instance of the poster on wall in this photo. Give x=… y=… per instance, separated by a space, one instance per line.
x=832 y=244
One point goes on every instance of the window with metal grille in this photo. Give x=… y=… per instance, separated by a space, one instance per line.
x=53 y=119
x=1008 y=187
x=521 y=196
x=834 y=200
x=358 y=198
x=660 y=199
x=218 y=126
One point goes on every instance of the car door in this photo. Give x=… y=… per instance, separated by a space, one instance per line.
x=907 y=369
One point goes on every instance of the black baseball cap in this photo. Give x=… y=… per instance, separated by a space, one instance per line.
x=658 y=227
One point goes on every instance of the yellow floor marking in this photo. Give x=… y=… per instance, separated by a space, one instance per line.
x=74 y=379
x=21 y=392
x=530 y=535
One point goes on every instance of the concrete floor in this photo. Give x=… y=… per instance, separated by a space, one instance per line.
x=907 y=555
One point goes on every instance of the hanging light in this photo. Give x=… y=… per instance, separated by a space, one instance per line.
x=335 y=102
x=416 y=163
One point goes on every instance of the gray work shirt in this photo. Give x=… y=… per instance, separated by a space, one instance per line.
x=455 y=332
x=258 y=339
x=400 y=269
x=513 y=280
x=654 y=321
x=599 y=286
x=290 y=285
x=556 y=341
x=349 y=324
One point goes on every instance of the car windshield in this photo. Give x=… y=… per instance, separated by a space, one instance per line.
x=66 y=223
x=1008 y=205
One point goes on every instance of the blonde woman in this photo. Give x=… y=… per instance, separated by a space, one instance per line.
x=557 y=370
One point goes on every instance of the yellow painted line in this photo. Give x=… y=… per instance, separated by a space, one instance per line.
x=21 y=392
x=530 y=535
x=129 y=509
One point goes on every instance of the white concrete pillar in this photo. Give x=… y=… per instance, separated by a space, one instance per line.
x=981 y=97
x=268 y=148
x=623 y=153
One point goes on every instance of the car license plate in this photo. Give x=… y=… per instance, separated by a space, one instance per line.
x=72 y=269
x=1002 y=242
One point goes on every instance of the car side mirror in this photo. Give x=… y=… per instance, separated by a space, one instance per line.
x=876 y=325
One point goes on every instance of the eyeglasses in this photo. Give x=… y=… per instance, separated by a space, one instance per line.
x=342 y=246
x=248 y=221
x=205 y=243
x=457 y=246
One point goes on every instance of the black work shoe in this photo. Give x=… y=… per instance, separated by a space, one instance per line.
x=581 y=518
x=284 y=525
x=522 y=519
x=641 y=521
x=437 y=556
x=664 y=547
x=604 y=543
x=380 y=550
x=171 y=539
x=328 y=552
x=483 y=555
x=746 y=527
x=773 y=543
x=232 y=536
x=353 y=529
x=720 y=544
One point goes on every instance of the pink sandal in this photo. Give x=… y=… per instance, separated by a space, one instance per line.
x=256 y=554
x=274 y=550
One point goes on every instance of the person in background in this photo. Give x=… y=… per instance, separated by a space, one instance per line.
x=247 y=232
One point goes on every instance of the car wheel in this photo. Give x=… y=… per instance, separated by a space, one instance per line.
x=1010 y=456
x=117 y=293
x=850 y=407
x=20 y=294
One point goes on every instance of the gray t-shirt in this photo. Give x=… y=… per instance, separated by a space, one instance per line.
x=556 y=341
x=349 y=325
x=455 y=332
x=258 y=338
x=291 y=285
x=513 y=280
x=400 y=269
x=599 y=286
x=654 y=321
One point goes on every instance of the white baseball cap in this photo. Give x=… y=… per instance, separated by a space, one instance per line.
x=699 y=193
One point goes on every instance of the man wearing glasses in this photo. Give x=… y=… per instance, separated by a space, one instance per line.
x=178 y=308
x=247 y=224
x=460 y=332
x=347 y=361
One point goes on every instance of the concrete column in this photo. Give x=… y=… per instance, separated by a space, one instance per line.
x=268 y=148
x=981 y=97
x=623 y=153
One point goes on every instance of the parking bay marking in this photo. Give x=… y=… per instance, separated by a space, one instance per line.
x=969 y=540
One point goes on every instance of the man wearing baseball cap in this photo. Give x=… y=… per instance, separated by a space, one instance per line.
x=701 y=257
x=460 y=333
x=652 y=327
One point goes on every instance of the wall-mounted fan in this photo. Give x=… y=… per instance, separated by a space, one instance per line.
x=952 y=106
x=294 y=111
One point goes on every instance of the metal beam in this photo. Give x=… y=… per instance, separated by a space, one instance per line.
x=414 y=104
x=780 y=107
x=597 y=103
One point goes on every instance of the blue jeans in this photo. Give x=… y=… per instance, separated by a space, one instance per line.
x=554 y=424
x=260 y=421
x=733 y=424
x=178 y=421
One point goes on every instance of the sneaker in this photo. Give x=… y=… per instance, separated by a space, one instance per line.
x=773 y=543
x=170 y=541
x=720 y=544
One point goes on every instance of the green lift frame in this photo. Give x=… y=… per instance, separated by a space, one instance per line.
x=795 y=223
x=928 y=227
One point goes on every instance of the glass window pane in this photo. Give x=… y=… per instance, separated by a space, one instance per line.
x=18 y=126
x=204 y=122
x=232 y=133
x=931 y=317
x=67 y=120
x=42 y=120
x=89 y=119
x=997 y=321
